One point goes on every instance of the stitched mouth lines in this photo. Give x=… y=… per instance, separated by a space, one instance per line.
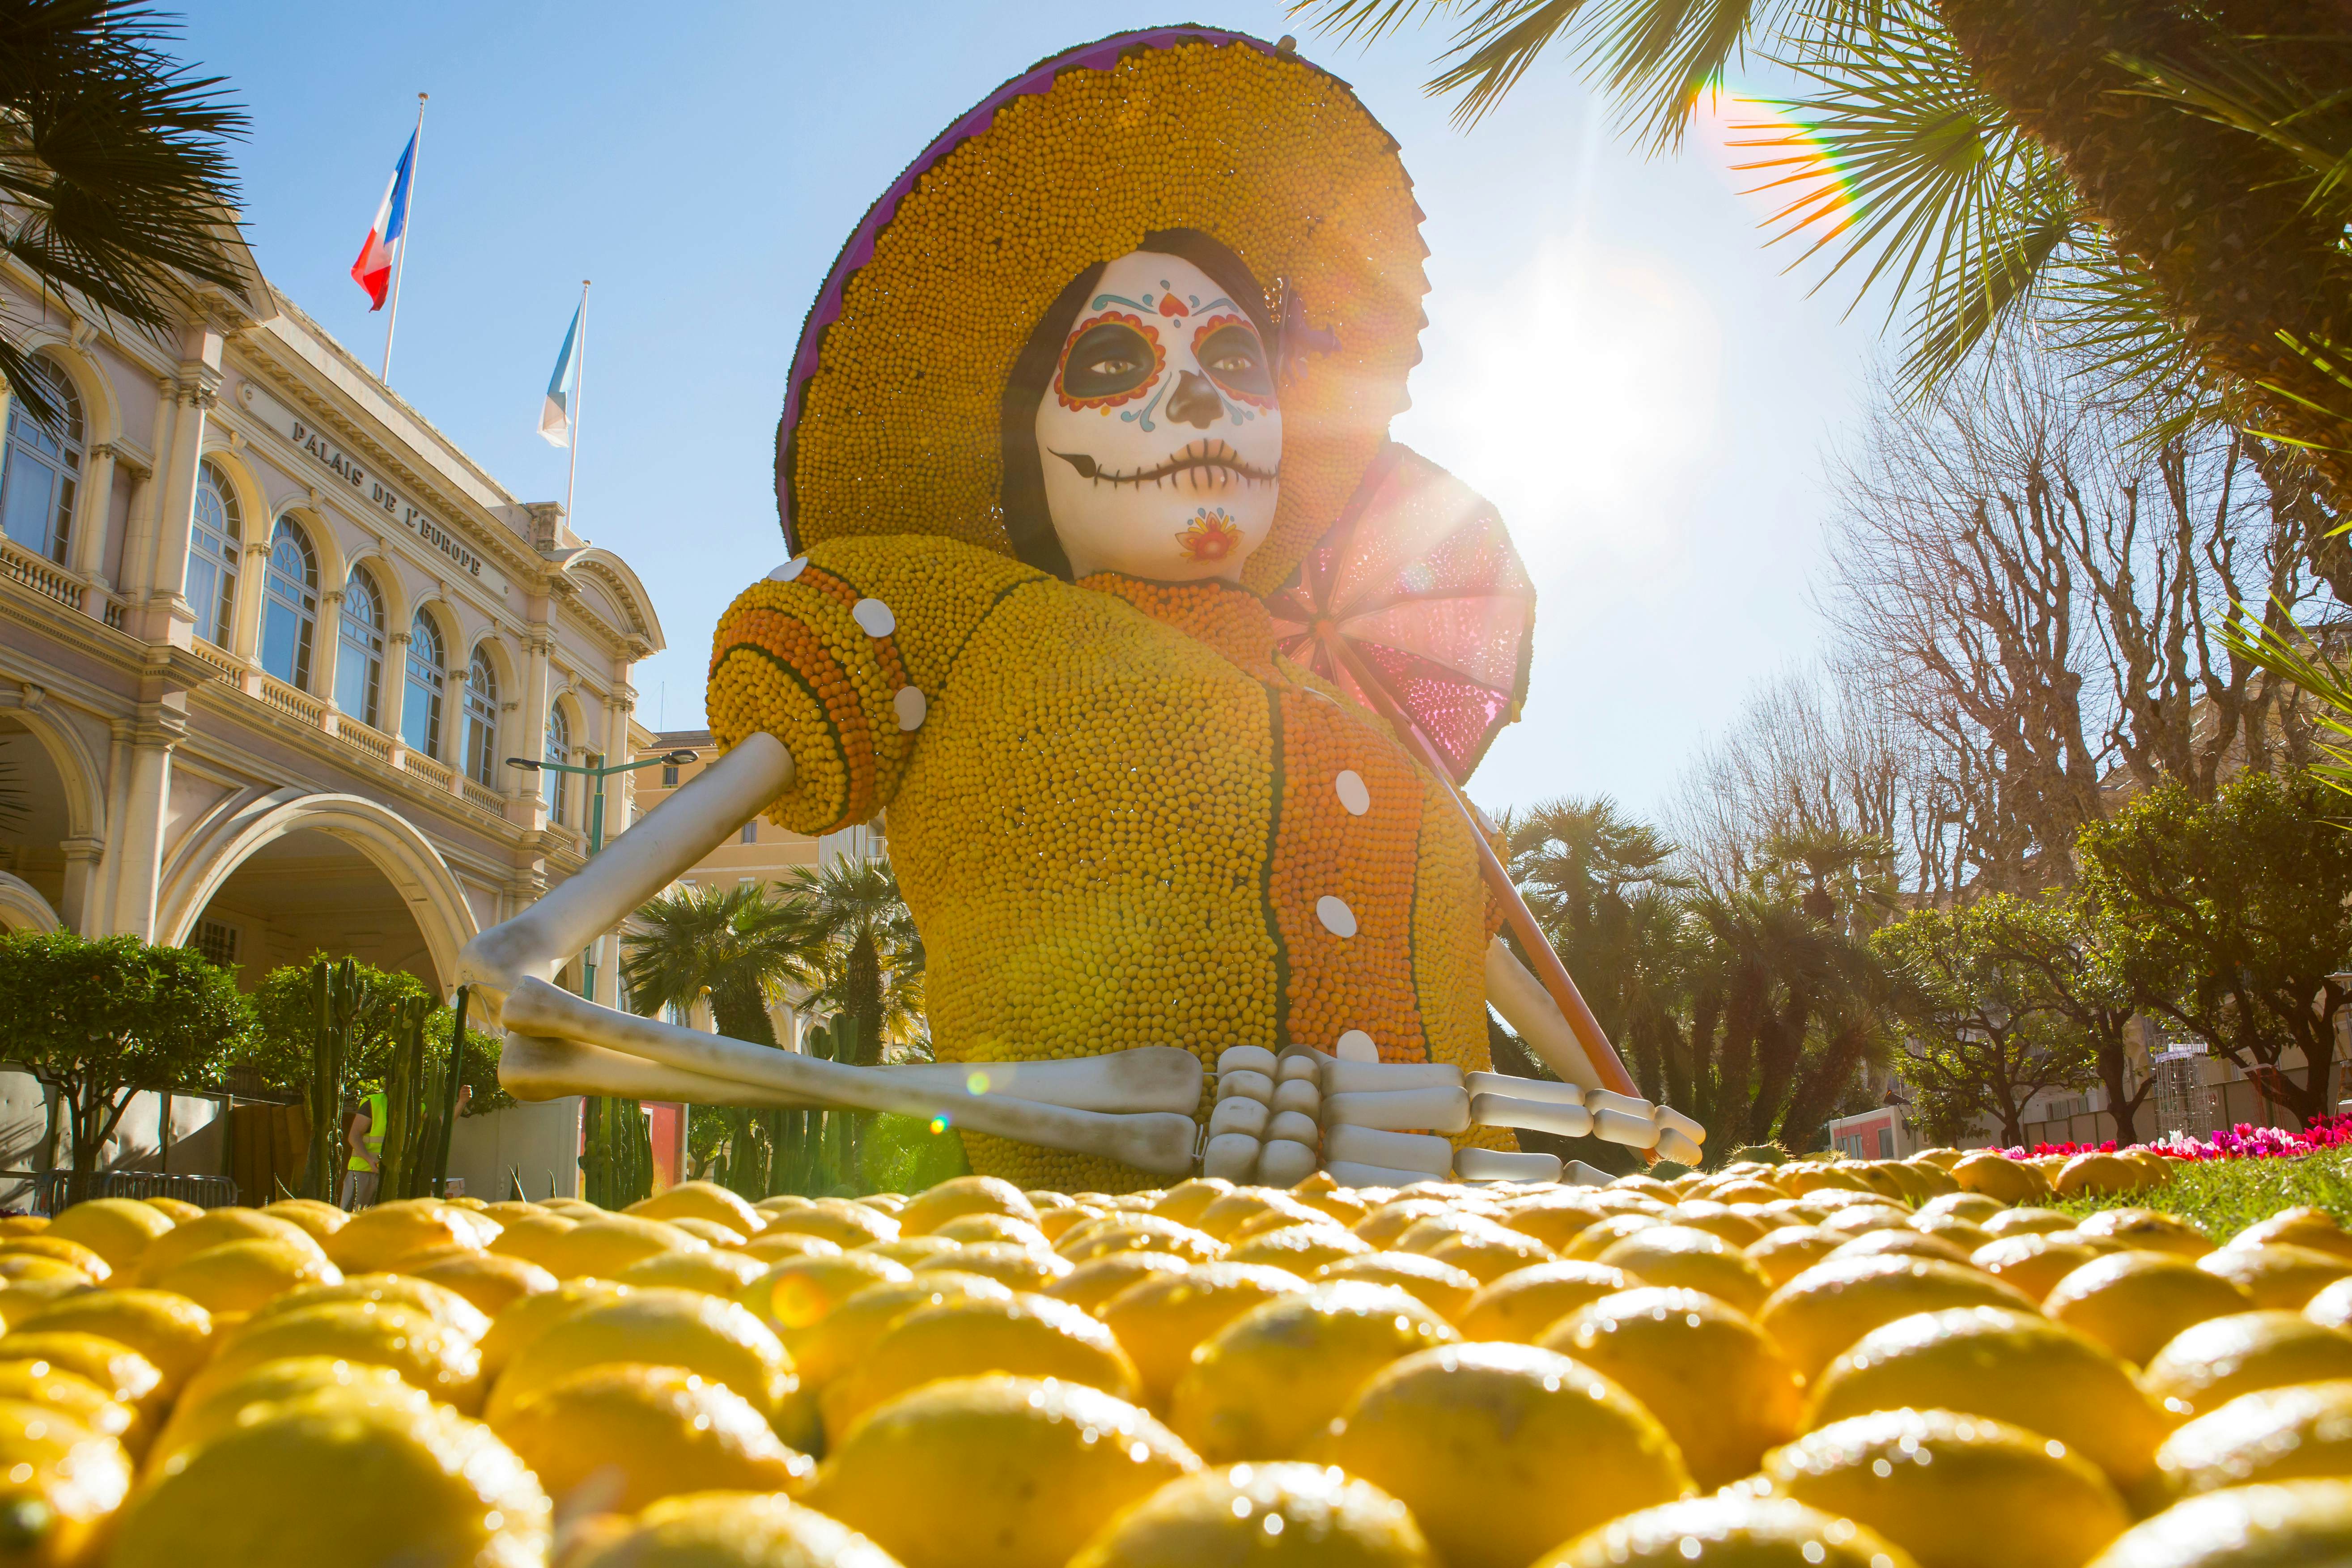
x=1201 y=465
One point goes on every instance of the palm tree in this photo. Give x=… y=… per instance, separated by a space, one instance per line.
x=2161 y=184
x=743 y=953
x=112 y=158
x=864 y=953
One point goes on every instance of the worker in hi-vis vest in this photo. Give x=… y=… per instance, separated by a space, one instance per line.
x=364 y=1136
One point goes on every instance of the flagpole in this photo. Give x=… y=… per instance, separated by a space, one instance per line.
x=400 y=262
x=579 y=404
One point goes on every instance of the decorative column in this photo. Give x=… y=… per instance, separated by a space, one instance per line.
x=326 y=651
x=155 y=580
x=146 y=803
x=85 y=860
x=538 y=644
x=85 y=551
x=393 y=694
x=252 y=591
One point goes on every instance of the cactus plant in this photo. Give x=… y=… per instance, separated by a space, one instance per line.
x=420 y=1105
x=617 y=1162
x=337 y=993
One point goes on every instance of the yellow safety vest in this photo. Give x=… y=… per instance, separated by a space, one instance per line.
x=373 y=1140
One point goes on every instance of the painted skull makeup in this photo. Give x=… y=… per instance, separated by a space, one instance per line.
x=1161 y=437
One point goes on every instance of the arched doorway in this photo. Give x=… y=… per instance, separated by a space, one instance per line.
x=280 y=877
x=35 y=818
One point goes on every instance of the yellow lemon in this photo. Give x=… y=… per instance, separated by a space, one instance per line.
x=180 y=1209
x=47 y=1273
x=2149 y=1230
x=323 y=1475
x=1025 y=1335
x=430 y=1356
x=839 y=1339
x=1056 y=1223
x=1094 y=1282
x=61 y=1482
x=321 y=1219
x=2092 y=1175
x=213 y=1402
x=443 y=1305
x=1385 y=1223
x=521 y=1321
x=1262 y=1386
x=72 y=1253
x=2304 y=1226
x=716 y=1338
x=1555 y=1223
x=237 y=1277
x=2034 y=1261
x=774 y=1247
x=733 y=1530
x=1955 y=1491
x=120 y=1372
x=1790 y=1250
x=1015 y=1266
x=1440 y=1286
x=1521 y=1305
x=934 y=1207
x=973 y=1227
x=533 y=1236
x=834 y=1220
x=995 y=1472
x=1186 y=1200
x=714 y=1272
x=1127 y=1233
x=1224 y=1218
x=378 y=1239
x=1965 y=1233
x=1906 y=1243
x=217 y=1227
x=2209 y=1363
x=600 y=1249
x=1489 y=1254
x=1998 y=1177
x=2277 y=1275
x=2294 y=1524
x=1973 y=1207
x=1504 y=1450
x=2135 y=1302
x=1715 y=1381
x=2010 y=1366
x=37 y=1382
x=169 y=1329
x=1830 y=1306
x=1269 y=1516
x=1741 y=1230
x=709 y=1232
x=1730 y=1532
x=793 y=1295
x=1159 y=1322
x=2026 y=1222
x=1858 y=1219
x=490 y=1282
x=1676 y=1256
x=702 y=1200
x=1604 y=1234
x=117 y=1229
x=1302 y=1248
x=617 y=1437
x=2293 y=1433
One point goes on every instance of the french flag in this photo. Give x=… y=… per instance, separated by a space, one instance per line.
x=373 y=271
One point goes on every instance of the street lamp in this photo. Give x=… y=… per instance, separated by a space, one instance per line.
x=678 y=758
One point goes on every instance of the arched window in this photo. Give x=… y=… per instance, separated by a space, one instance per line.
x=212 y=544
x=290 y=616
x=428 y=675
x=482 y=720
x=358 y=666
x=559 y=749
x=44 y=466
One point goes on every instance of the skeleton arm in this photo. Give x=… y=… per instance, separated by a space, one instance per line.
x=1129 y=1106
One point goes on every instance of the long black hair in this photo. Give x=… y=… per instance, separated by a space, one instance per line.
x=1027 y=523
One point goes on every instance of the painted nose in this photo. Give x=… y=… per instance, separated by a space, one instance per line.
x=1196 y=402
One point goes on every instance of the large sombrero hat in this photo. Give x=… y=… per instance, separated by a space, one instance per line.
x=891 y=421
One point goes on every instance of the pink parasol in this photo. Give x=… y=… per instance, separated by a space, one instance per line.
x=1417 y=605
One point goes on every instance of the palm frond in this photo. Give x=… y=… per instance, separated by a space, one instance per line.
x=2301 y=661
x=1907 y=166
x=2237 y=86
x=1368 y=21
x=112 y=158
x=2102 y=312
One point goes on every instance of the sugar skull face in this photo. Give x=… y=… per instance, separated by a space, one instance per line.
x=1161 y=437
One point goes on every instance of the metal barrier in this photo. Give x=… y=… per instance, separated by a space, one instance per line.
x=51 y=1188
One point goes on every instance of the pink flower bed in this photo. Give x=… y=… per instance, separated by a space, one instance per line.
x=2244 y=1141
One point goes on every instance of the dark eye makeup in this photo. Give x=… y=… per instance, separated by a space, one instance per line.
x=1236 y=360
x=1110 y=358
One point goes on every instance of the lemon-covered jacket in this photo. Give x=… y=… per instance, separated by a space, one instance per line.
x=1118 y=818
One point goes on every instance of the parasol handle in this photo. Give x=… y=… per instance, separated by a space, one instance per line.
x=1548 y=967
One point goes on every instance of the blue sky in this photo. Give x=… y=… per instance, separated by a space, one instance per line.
x=1612 y=355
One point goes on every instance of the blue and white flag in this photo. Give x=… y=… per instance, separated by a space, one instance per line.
x=556 y=415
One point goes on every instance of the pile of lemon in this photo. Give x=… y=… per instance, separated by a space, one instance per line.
x=1815 y=1364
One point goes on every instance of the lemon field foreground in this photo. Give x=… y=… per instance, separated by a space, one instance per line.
x=1924 y=1364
